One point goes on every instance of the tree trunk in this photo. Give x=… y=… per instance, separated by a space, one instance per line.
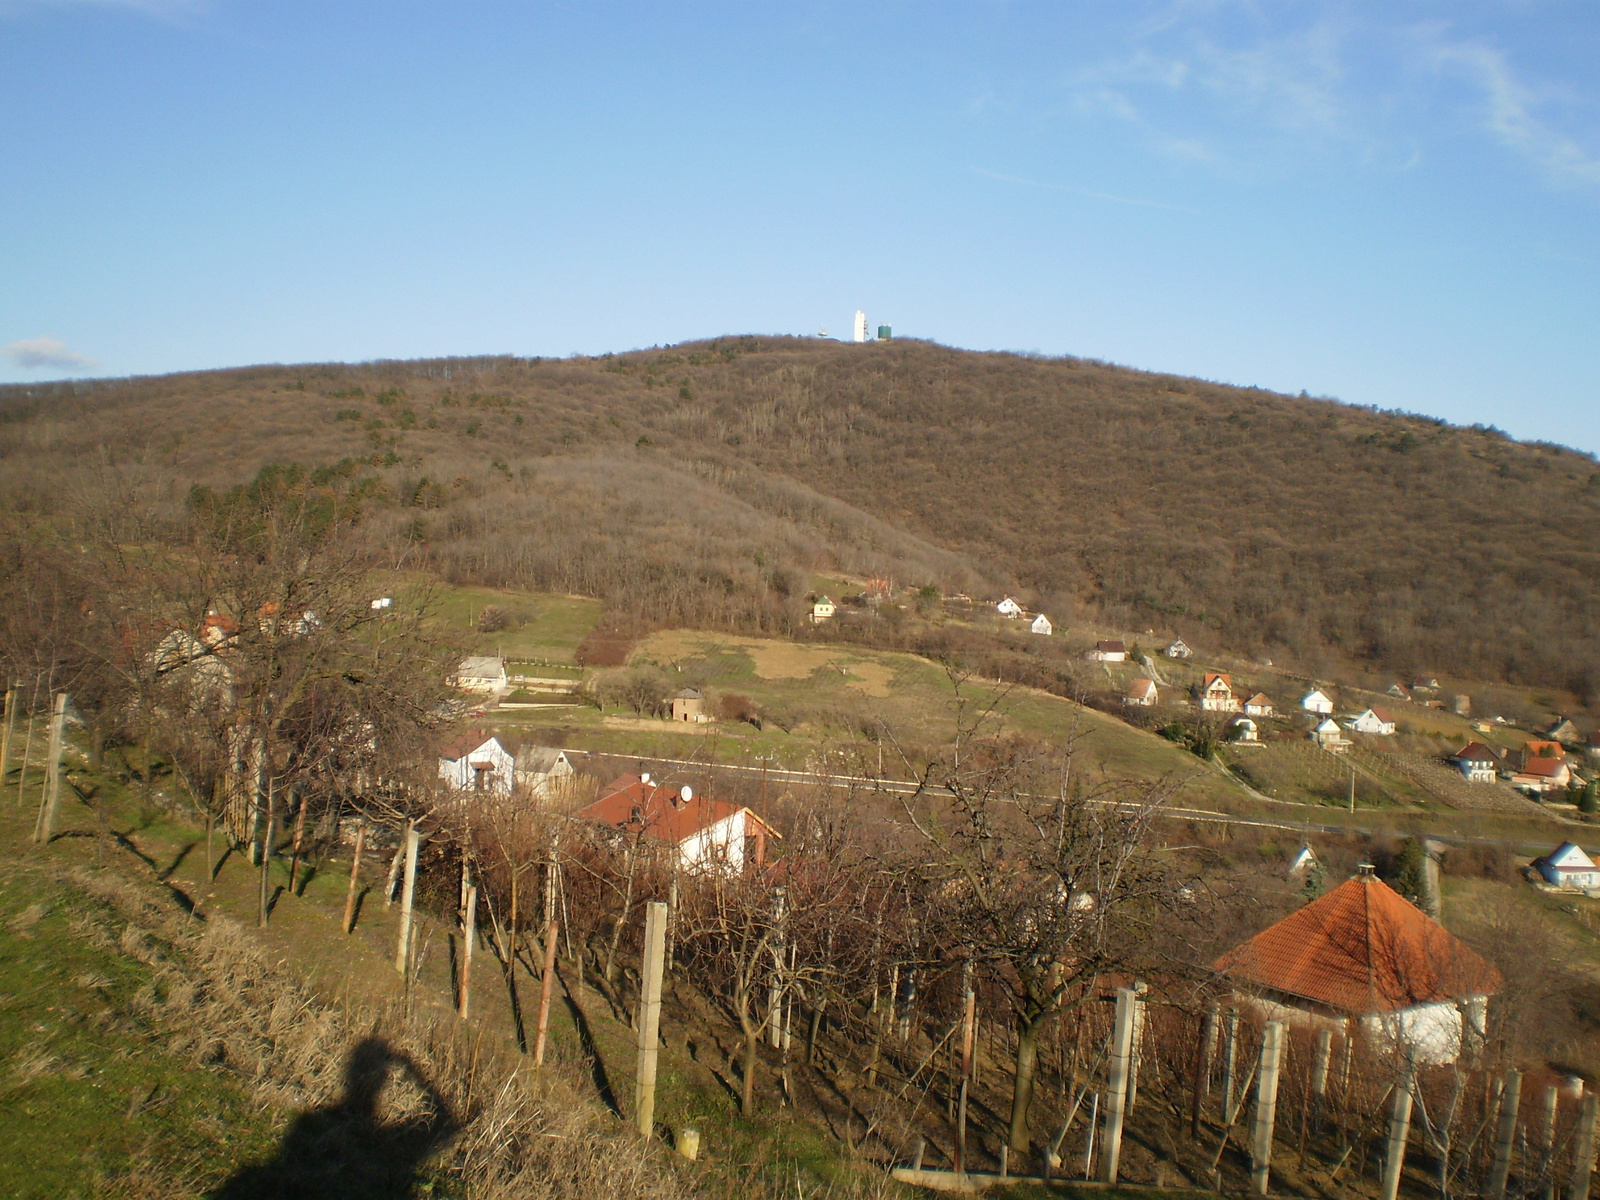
x=1022 y=1094
x=622 y=921
x=752 y=1035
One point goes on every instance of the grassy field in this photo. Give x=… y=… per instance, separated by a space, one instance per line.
x=543 y=628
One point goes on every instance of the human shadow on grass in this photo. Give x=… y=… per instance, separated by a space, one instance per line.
x=347 y=1150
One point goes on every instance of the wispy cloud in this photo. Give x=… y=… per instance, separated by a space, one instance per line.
x=45 y=351
x=1078 y=191
x=1508 y=112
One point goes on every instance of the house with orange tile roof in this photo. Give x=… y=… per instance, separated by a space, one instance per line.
x=1541 y=775
x=1216 y=693
x=1259 y=705
x=1141 y=693
x=1364 y=959
x=704 y=833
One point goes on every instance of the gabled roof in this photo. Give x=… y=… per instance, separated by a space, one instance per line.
x=1314 y=693
x=1568 y=857
x=480 y=666
x=1383 y=714
x=1217 y=677
x=1544 y=749
x=1111 y=647
x=688 y=694
x=1545 y=768
x=1475 y=752
x=1142 y=687
x=1327 y=725
x=1259 y=700
x=1362 y=948
x=659 y=811
x=538 y=759
x=466 y=743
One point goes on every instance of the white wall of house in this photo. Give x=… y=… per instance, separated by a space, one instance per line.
x=460 y=773
x=721 y=844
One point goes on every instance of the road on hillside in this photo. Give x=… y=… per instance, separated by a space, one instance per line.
x=1170 y=812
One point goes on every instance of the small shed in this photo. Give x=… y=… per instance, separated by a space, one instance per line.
x=1179 y=649
x=822 y=609
x=1317 y=701
x=1259 y=705
x=690 y=705
x=1041 y=624
x=1245 y=731
x=1564 y=731
x=1330 y=737
x=483 y=673
x=1008 y=608
x=1373 y=720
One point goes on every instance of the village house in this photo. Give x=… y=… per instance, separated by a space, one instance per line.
x=1539 y=748
x=1328 y=735
x=1316 y=701
x=822 y=609
x=701 y=832
x=1424 y=683
x=1542 y=775
x=1259 y=705
x=1399 y=691
x=1141 y=693
x=1362 y=960
x=1041 y=624
x=297 y=621
x=1216 y=694
x=476 y=763
x=1372 y=720
x=543 y=770
x=1179 y=649
x=482 y=673
x=1008 y=608
x=1108 y=652
x=1567 y=867
x=218 y=629
x=1245 y=732
x=690 y=705
x=1477 y=762
x=1564 y=731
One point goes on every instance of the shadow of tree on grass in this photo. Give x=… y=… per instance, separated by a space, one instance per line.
x=346 y=1149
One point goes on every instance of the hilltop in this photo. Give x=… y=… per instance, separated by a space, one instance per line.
x=708 y=484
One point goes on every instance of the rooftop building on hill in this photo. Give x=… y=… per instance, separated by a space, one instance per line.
x=703 y=832
x=1365 y=959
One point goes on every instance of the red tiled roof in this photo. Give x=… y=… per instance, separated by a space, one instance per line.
x=1215 y=677
x=1544 y=767
x=1383 y=715
x=659 y=811
x=1259 y=700
x=463 y=743
x=1544 y=749
x=1362 y=948
x=1475 y=752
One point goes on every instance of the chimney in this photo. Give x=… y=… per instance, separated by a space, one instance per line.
x=644 y=777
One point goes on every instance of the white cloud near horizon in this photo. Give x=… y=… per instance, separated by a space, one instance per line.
x=45 y=351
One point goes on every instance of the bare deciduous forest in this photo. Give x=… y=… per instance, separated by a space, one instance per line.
x=703 y=484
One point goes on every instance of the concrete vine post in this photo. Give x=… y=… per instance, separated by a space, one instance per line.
x=1394 y=1158
x=1583 y=1149
x=469 y=935
x=1272 y=1039
x=1202 y=1072
x=546 y=985
x=1505 y=1135
x=1117 y=1091
x=7 y=732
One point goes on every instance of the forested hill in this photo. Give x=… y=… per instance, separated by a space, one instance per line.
x=704 y=483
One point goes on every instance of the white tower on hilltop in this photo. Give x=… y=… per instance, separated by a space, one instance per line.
x=861 y=326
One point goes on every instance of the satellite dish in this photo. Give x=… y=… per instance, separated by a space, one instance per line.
x=687 y=793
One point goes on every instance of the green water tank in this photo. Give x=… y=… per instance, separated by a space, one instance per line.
x=884 y=333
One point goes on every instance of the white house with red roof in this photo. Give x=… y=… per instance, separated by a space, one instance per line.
x=1141 y=693
x=1216 y=693
x=476 y=763
x=1259 y=705
x=703 y=832
x=1543 y=775
x=1477 y=762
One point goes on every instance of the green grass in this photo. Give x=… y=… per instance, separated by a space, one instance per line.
x=91 y=1095
x=545 y=628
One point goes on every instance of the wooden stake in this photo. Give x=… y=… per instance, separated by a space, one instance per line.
x=1510 y=1097
x=294 y=853
x=355 y=878
x=51 y=800
x=469 y=935
x=1272 y=1038
x=1202 y=1072
x=546 y=985
x=266 y=859
x=7 y=732
x=655 y=950
x=408 y=896
x=1117 y=1092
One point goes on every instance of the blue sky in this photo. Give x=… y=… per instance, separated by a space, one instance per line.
x=1393 y=203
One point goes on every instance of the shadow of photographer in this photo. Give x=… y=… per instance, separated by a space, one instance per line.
x=346 y=1149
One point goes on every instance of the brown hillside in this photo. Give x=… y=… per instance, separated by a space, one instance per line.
x=702 y=483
